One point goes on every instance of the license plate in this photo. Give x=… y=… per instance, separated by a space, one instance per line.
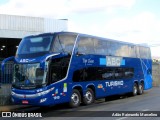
x=24 y=102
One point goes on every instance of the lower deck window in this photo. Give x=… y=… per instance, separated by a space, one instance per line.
x=101 y=73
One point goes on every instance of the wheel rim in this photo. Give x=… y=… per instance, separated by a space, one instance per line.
x=135 y=90
x=75 y=98
x=89 y=96
x=141 y=88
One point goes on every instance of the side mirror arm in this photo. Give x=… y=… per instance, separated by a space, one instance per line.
x=5 y=61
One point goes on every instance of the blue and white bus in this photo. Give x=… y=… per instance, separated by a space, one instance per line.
x=74 y=68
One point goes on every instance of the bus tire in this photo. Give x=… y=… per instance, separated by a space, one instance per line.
x=140 y=89
x=135 y=90
x=75 y=99
x=88 y=97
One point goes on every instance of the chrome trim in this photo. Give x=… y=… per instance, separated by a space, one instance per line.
x=90 y=84
x=24 y=95
x=51 y=55
x=32 y=95
x=77 y=85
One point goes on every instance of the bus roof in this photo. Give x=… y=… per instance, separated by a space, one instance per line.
x=52 y=33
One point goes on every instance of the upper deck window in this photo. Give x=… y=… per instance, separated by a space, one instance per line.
x=35 y=44
x=86 y=46
x=64 y=43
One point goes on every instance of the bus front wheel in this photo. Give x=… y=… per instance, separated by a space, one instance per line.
x=75 y=98
x=88 y=97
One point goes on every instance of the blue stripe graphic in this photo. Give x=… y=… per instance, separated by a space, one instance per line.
x=123 y=62
x=103 y=61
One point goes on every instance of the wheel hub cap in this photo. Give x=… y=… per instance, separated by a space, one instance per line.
x=75 y=98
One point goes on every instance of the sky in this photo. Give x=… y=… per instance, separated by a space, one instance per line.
x=136 y=21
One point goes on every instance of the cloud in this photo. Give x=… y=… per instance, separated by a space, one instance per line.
x=142 y=28
x=60 y=8
x=96 y=5
x=49 y=8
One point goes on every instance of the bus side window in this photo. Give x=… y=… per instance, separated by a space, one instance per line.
x=57 y=46
x=100 y=46
x=132 y=51
x=129 y=72
x=144 y=52
x=119 y=73
x=64 y=43
x=80 y=75
x=112 y=48
x=108 y=73
x=85 y=46
x=137 y=52
x=67 y=42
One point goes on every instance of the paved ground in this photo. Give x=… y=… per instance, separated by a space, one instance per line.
x=5 y=94
x=146 y=103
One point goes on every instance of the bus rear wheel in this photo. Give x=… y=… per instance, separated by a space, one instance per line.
x=75 y=98
x=140 y=89
x=88 y=97
x=135 y=89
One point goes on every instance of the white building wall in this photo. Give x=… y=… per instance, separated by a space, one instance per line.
x=19 y=26
x=56 y=25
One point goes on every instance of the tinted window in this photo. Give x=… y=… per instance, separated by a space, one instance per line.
x=35 y=44
x=88 y=45
x=122 y=50
x=64 y=43
x=131 y=51
x=128 y=72
x=100 y=47
x=112 y=48
x=85 y=46
x=137 y=51
x=58 y=68
x=148 y=53
x=107 y=73
x=119 y=73
x=144 y=52
x=100 y=73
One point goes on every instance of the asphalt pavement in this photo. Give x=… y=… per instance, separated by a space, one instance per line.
x=122 y=108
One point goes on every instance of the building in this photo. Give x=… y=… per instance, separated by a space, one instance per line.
x=14 y=28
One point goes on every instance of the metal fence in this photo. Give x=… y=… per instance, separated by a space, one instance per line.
x=5 y=83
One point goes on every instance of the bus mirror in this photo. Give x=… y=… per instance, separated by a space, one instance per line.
x=5 y=61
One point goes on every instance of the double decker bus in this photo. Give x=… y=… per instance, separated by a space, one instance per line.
x=74 y=68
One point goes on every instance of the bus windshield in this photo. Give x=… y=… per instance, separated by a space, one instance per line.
x=35 y=44
x=27 y=76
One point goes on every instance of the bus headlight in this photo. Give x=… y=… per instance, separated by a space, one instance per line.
x=13 y=93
